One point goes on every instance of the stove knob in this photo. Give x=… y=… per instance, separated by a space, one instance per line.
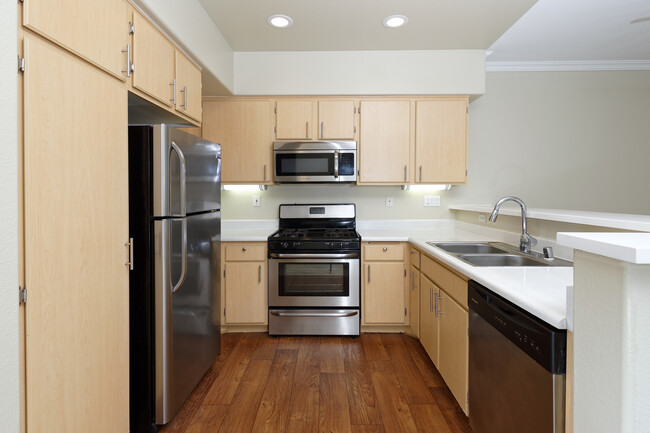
x=296 y=244
x=285 y=244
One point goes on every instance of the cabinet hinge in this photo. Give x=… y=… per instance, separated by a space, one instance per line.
x=224 y=273
x=21 y=64
x=275 y=129
x=224 y=312
x=131 y=28
x=22 y=295
x=275 y=110
x=355 y=110
x=404 y=312
x=465 y=172
x=404 y=272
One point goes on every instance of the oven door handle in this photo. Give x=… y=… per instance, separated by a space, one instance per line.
x=314 y=256
x=314 y=314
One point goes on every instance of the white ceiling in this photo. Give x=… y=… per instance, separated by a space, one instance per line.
x=578 y=30
x=356 y=25
x=552 y=30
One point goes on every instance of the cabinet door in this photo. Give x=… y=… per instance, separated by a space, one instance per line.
x=188 y=87
x=246 y=293
x=414 y=300
x=428 y=320
x=294 y=120
x=244 y=130
x=441 y=141
x=76 y=226
x=453 y=347
x=96 y=30
x=336 y=120
x=384 y=141
x=384 y=293
x=153 y=59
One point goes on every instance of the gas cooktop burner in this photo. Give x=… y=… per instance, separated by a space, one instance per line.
x=316 y=234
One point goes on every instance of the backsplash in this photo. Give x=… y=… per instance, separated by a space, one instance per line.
x=370 y=201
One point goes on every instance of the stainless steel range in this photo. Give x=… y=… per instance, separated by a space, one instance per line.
x=314 y=271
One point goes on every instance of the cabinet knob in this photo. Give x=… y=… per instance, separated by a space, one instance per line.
x=243 y=249
x=385 y=249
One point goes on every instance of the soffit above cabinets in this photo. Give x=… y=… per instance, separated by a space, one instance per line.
x=344 y=25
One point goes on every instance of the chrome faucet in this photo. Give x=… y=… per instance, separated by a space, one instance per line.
x=526 y=240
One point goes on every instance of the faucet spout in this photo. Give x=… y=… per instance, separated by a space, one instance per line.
x=526 y=240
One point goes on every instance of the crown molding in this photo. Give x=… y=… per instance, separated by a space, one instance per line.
x=580 y=65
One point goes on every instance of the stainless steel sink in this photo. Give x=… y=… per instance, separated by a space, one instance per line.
x=500 y=260
x=495 y=254
x=468 y=248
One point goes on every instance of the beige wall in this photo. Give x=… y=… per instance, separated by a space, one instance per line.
x=443 y=72
x=562 y=140
x=9 y=366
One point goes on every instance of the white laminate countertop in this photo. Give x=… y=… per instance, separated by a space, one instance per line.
x=247 y=230
x=628 y=247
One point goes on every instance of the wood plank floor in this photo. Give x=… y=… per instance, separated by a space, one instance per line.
x=377 y=383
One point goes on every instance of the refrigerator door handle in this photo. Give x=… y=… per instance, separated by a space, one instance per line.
x=218 y=167
x=183 y=254
x=183 y=177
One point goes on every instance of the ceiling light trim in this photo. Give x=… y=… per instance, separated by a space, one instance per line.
x=558 y=66
x=395 y=21
x=276 y=20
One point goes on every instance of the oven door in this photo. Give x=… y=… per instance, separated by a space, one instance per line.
x=314 y=280
x=314 y=166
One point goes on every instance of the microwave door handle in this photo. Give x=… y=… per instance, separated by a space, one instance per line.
x=336 y=164
x=183 y=176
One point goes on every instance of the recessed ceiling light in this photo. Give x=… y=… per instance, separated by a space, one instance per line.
x=280 y=21
x=395 y=21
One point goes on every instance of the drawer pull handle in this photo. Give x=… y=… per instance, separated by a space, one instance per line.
x=385 y=249
x=243 y=249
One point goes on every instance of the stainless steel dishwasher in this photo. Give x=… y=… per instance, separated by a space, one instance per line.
x=517 y=366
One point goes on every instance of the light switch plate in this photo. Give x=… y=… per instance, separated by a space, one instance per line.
x=481 y=218
x=257 y=201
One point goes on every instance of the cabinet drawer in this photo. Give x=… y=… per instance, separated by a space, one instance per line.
x=446 y=280
x=415 y=257
x=381 y=251
x=245 y=252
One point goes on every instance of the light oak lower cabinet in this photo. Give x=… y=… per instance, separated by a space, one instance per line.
x=453 y=350
x=414 y=301
x=384 y=280
x=245 y=283
x=428 y=319
x=444 y=324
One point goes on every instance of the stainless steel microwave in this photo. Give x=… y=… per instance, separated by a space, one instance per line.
x=314 y=161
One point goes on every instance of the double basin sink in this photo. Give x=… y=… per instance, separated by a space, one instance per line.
x=496 y=254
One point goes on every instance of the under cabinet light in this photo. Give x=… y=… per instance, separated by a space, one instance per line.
x=426 y=187
x=245 y=187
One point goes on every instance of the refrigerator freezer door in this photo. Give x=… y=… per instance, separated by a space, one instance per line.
x=184 y=167
x=187 y=320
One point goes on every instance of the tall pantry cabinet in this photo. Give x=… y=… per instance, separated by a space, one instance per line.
x=75 y=216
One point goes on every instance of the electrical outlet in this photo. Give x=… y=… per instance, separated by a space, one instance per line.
x=431 y=200
x=257 y=201
x=389 y=201
x=481 y=218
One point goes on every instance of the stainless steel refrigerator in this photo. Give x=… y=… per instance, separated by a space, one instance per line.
x=175 y=223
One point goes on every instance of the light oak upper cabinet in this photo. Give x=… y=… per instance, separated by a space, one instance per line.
x=384 y=278
x=441 y=141
x=245 y=283
x=336 y=120
x=188 y=87
x=384 y=142
x=244 y=129
x=153 y=60
x=76 y=226
x=96 y=30
x=294 y=119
